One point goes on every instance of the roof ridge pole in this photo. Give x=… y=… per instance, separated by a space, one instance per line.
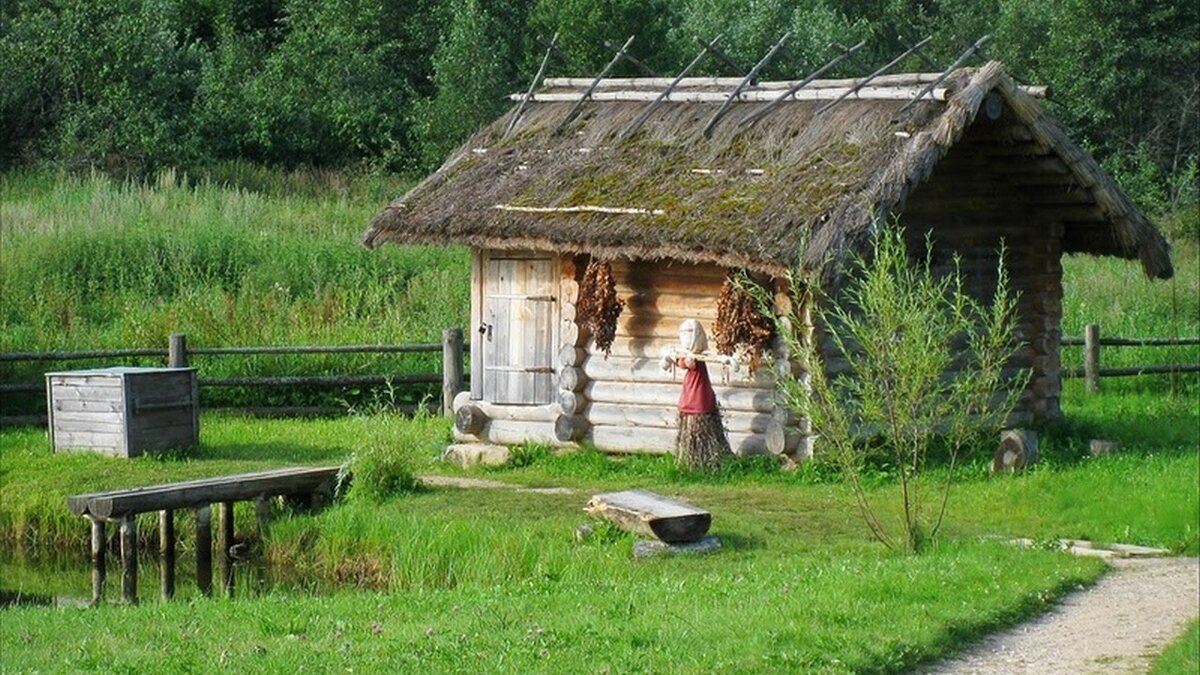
x=711 y=48
x=649 y=109
x=532 y=85
x=791 y=91
x=946 y=73
x=861 y=83
x=587 y=93
x=712 y=122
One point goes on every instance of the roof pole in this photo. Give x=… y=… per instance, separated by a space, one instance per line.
x=861 y=83
x=537 y=79
x=648 y=110
x=712 y=122
x=766 y=110
x=946 y=73
x=592 y=87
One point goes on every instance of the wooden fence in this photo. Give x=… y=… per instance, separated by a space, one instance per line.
x=1092 y=342
x=179 y=354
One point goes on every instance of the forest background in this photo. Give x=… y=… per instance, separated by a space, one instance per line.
x=391 y=86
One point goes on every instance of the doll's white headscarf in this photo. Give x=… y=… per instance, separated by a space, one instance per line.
x=692 y=337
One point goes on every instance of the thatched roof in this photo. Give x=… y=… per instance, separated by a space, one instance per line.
x=797 y=187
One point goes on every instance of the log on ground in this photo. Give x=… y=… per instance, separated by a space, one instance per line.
x=647 y=513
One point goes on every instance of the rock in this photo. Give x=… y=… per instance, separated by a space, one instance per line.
x=647 y=548
x=469 y=454
x=584 y=532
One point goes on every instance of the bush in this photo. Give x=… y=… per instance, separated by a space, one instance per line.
x=395 y=447
x=926 y=369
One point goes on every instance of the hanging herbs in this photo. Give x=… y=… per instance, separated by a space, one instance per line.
x=740 y=325
x=598 y=306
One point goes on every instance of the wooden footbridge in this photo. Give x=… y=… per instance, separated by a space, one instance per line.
x=123 y=506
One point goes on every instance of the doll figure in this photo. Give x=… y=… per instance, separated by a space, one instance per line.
x=701 y=443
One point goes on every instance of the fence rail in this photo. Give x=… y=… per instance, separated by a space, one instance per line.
x=1092 y=342
x=178 y=354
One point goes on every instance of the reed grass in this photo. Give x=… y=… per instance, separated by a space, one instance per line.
x=88 y=262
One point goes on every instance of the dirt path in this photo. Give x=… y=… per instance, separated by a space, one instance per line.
x=485 y=484
x=1116 y=626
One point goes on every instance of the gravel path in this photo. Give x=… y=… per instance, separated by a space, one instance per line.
x=1116 y=626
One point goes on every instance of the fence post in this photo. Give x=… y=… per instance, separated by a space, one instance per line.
x=452 y=367
x=1091 y=358
x=177 y=356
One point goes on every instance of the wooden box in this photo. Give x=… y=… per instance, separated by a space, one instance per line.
x=123 y=411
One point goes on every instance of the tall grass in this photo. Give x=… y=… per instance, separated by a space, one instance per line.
x=90 y=262
x=1116 y=295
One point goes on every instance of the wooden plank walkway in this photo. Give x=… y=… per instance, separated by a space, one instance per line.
x=123 y=506
x=116 y=504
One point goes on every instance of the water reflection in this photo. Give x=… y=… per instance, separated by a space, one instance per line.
x=61 y=580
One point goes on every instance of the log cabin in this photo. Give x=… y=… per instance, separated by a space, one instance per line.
x=674 y=191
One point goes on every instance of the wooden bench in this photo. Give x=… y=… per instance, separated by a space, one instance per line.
x=653 y=515
x=123 y=506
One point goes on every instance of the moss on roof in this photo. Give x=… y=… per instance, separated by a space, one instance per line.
x=796 y=187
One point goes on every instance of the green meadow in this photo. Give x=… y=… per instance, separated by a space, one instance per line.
x=493 y=580
x=89 y=262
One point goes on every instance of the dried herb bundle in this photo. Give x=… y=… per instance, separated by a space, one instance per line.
x=740 y=324
x=598 y=306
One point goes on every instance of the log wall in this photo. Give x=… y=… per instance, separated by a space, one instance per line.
x=630 y=401
x=972 y=202
x=626 y=401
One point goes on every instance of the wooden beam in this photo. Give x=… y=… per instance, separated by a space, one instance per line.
x=204 y=549
x=166 y=554
x=190 y=494
x=129 y=560
x=98 y=559
x=226 y=543
x=878 y=93
x=712 y=122
x=790 y=92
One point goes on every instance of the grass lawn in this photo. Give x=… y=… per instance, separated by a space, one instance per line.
x=491 y=580
x=1182 y=657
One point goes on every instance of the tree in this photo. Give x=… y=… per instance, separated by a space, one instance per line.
x=927 y=367
x=470 y=80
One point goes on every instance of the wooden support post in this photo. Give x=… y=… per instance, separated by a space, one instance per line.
x=177 y=356
x=98 y=542
x=129 y=559
x=262 y=511
x=1091 y=358
x=204 y=549
x=452 y=367
x=226 y=543
x=166 y=554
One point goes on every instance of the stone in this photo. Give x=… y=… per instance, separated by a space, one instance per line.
x=470 y=454
x=1098 y=447
x=648 y=548
x=584 y=532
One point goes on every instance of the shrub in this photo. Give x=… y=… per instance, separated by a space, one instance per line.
x=387 y=463
x=927 y=366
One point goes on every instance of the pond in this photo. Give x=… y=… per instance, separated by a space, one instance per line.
x=65 y=580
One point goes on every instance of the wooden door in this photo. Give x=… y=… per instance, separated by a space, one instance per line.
x=518 y=334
